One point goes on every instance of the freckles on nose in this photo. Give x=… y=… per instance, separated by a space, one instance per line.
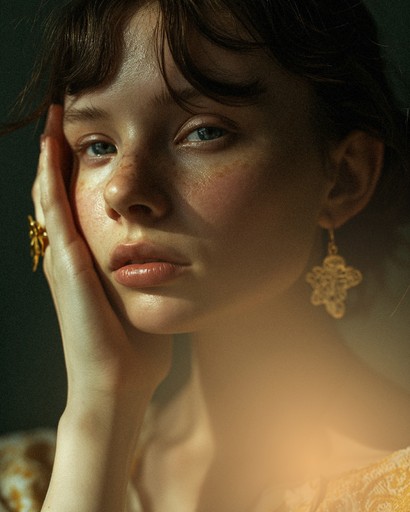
x=133 y=190
x=124 y=175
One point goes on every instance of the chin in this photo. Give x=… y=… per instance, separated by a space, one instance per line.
x=162 y=315
x=149 y=311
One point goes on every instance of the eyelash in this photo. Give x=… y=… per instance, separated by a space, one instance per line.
x=84 y=150
x=100 y=143
x=210 y=131
x=100 y=149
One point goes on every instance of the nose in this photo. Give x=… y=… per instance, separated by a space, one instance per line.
x=134 y=193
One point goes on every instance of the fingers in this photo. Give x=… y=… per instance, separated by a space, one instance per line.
x=53 y=196
x=52 y=206
x=101 y=352
x=54 y=122
x=53 y=127
x=36 y=193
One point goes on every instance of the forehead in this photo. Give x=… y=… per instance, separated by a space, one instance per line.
x=143 y=46
x=139 y=70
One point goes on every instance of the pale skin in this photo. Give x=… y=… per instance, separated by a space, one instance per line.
x=245 y=208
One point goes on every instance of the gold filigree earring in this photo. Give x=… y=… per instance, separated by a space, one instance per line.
x=331 y=281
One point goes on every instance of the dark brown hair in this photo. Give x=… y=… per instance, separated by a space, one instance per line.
x=331 y=44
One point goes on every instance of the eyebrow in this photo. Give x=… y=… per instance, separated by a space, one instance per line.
x=82 y=114
x=75 y=115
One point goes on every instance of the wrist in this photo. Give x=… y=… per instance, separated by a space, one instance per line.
x=96 y=445
x=89 y=414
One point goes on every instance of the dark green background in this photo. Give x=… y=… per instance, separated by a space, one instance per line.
x=32 y=379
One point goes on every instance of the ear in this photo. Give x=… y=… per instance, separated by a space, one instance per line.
x=355 y=164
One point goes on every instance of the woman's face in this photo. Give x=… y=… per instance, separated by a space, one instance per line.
x=193 y=215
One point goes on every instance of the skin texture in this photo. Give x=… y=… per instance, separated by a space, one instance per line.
x=243 y=209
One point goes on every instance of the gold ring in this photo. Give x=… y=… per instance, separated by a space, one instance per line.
x=38 y=241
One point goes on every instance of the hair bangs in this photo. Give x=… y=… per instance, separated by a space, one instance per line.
x=220 y=25
x=88 y=45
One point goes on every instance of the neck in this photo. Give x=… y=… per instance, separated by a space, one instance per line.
x=267 y=369
x=271 y=354
x=265 y=373
x=263 y=381
x=262 y=393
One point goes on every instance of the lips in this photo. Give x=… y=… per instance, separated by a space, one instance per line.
x=143 y=265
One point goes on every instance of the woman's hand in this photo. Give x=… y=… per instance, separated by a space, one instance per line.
x=112 y=368
x=102 y=353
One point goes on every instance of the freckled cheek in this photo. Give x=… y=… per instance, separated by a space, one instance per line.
x=88 y=208
x=224 y=196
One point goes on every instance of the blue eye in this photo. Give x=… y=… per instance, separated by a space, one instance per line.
x=101 y=149
x=206 y=133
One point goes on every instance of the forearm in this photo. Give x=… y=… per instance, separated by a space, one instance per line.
x=112 y=367
x=94 y=456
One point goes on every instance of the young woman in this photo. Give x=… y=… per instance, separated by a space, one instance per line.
x=195 y=156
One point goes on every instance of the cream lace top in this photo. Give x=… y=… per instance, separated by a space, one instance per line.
x=26 y=461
